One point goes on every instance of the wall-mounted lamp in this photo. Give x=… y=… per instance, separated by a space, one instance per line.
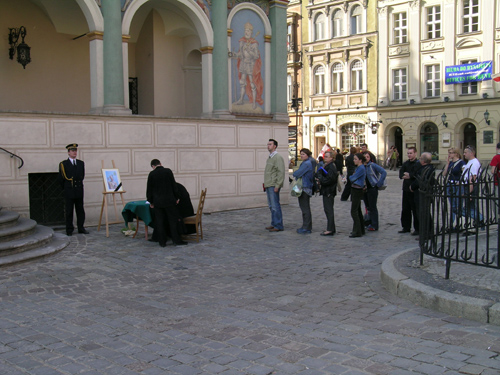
x=443 y=120
x=485 y=95
x=412 y=101
x=446 y=99
x=23 y=50
x=487 y=117
x=374 y=125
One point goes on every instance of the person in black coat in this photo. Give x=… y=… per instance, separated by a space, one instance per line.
x=327 y=177
x=339 y=162
x=163 y=195
x=409 y=208
x=350 y=167
x=71 y=175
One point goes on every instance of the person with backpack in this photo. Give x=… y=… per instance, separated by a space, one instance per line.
x=375 y=177
x=306 y=172
x=327 y=177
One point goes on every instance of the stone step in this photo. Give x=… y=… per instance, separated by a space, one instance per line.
x=23 y=228
x=40 y=237
x=8 y=218
x=59 y=242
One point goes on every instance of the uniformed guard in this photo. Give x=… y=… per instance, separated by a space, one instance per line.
x=71 y=175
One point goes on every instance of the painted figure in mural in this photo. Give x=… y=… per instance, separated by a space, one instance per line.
x=249 y=68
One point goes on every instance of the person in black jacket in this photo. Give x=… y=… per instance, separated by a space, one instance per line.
x=350 y=167
x=409 y=209
x=424 y=176
x=327 y=179
x=71 y=175
x=163 y=195
x=339 y=162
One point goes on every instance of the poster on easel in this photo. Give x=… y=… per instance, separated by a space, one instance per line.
x=112 y=181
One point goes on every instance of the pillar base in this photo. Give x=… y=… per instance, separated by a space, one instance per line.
x=281 y=117
x=118 y=110
x=223 y=114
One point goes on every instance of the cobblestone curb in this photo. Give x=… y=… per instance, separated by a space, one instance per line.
x=477 y=309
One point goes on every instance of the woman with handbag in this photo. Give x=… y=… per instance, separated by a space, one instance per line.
x=306 y=172
x=375 y=177
x=453 y=173
x=327 y=177
x=357 y=188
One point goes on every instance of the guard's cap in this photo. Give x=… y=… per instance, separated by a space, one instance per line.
x=72 y=145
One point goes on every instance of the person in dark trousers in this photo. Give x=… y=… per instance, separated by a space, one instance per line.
x=423 y=176
x=71 y=175
x=350 y=168
x=327 y=176
x=339 y=162
x=409 y=209
x=163 y=195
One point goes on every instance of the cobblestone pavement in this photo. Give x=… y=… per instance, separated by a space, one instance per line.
x=242 y=301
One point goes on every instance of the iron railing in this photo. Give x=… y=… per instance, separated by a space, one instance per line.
x=459 y=222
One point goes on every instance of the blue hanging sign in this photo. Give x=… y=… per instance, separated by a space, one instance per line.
x=475 y=72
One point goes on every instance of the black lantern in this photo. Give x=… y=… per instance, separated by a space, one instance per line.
x=374 y=125
x=23 y=50
x=443 y=120
x=487 y=117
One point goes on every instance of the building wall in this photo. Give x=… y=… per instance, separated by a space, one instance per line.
x=226 y=157
x=454 y=45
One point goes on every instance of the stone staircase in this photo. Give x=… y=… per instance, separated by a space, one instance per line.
x=22 y=239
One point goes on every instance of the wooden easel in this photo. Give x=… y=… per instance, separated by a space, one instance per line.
x=105 y=194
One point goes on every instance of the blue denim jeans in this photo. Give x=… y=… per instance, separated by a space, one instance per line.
x=273 y=201
x=471 y=205
x=453 y=195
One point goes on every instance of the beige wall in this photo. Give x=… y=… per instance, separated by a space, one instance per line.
x=55 y=58
x=226 y=157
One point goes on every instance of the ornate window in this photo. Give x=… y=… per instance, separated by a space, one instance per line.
x=319 y=79
x=357 y=76
x=429 y=139
x=338 y=20
x=434 y=22
x=337 y=77
x=399 y=84
x=356 y=20
x=320 y=129
x=353 y=134
x=400 y=28
x=319 y=26
x=470 y=17
x=433 y=80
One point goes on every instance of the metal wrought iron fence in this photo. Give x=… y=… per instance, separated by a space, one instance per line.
x=459 y=221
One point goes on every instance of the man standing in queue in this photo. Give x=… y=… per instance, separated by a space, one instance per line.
x=409 y=209
x=71 y=175
x=163 y=195
x=274 y=177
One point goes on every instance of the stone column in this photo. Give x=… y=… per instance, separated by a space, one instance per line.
x=488 y=18
x=383 y=71
x=449 y=59
x=96 y=72
x=414 y=73
x=220 y=60
x=277 y=17
x=114 y=98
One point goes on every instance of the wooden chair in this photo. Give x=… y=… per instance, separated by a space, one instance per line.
x=196 y=220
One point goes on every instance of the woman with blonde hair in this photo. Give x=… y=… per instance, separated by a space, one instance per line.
x=452 y=172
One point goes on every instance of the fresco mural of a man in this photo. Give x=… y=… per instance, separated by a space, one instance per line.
x=249 y=66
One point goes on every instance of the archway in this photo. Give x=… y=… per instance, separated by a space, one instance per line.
x=470 y=136
x=166 y=40
x=319 y=139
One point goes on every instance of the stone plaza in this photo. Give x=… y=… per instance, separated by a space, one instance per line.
x=241 y=301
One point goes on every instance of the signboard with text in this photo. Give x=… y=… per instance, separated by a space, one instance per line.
x=474 y=72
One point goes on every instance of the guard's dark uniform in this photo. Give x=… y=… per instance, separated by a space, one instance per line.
x=71 y=180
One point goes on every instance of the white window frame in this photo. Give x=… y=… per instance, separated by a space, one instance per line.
x=433 y=22
x=337 y=77
x=319 y=80
x=432 y=81
x=356 y=20
x=400 y=83
x=289 y=88
x=400 y=28
x=319 y=27
x=470 y=19
x=469 y=88
x=356 y=75
x=338 y=23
